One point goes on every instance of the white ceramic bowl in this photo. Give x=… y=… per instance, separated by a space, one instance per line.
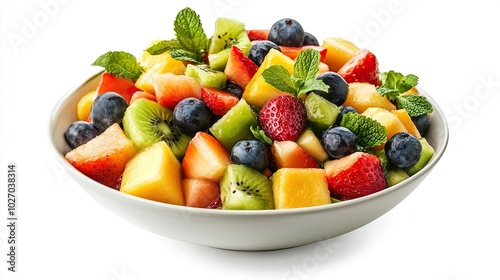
x=240 y=230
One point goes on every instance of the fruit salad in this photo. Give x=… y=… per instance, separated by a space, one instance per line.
x=249 y=119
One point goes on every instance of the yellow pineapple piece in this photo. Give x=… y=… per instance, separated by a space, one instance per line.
x=405 y=119
x=258 y=91
x=84 y=105
x=362 y=96
x=412 y=90
x=300 y=187
x=157 y=64
x=155 y=174
x=339 y=51
x=387 y=119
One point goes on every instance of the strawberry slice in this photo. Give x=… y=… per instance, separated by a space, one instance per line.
x=218 y=101
x=239 y=68
x=293 y=52
x=354 y=176
x=124 y=87
x=283 y=118
x=363 y=68
x=200 y=193
x=205 y=158
x=257 y=34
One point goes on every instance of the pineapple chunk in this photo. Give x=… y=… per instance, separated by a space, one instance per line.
x=339 y=51
x=362 y=96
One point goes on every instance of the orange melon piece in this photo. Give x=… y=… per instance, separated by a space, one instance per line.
x=300 y=187
x=155 y=174
x=103 y=158
x=403 y=116
x=170 y=89
x=258 y=91
x=84 y=104
x=362 y=96
x=339 y=51
x=157 y=64
x=200 y=193
x=387 y=119
x=412 y=90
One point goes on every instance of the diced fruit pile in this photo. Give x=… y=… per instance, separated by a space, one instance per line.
x=249 y=119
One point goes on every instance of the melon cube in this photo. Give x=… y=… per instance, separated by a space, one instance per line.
x=339 y=51
x=300 y=187
x=155 y=174
x=362 y=96
x=387 y=119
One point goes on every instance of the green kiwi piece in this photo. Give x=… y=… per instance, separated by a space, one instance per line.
x=227 y=32
x=321 y=113
x=146 y=122
x=425 y=157
x=244 y=188
x=206 y=76
x=396 y=176
x=235 y=125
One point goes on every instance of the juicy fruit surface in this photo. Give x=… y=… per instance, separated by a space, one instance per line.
x=155 y=174
x=283 y=118
x=356 y=175
x=193 y=121
x=104 y=157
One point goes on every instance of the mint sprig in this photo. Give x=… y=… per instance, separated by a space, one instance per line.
x=394 y=84
x=304 y=78
x=163 y=46
x=369 y=132
x=120 y=64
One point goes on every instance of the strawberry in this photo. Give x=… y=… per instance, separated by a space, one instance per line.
x=205 y=158
x=363 y=68
x=199 y=192
x=257 y=34
x=239 y=68
x=218 y=101
x=122 y=86
x=293 y=52
x=354 y=176
x=283 y=118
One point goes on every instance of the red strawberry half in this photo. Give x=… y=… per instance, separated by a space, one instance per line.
x=218 y=101
x=283 y=118
x=363 y=68
x=239 y=68
x=354 y=176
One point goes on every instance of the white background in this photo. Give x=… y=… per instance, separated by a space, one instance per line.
x=448 y=229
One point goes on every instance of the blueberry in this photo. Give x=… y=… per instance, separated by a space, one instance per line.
x=233 y=88
x=287 y=32
x=79 y=133
x=108 y=108
x=310 y=40
x=403 y=150
x=260 y=49
x=338 y=142
x=337 y=93
x=422 y=123
x=342 y=111
x=192 y=115
x=252 y=153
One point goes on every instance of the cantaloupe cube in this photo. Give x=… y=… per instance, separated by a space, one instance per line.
x=155 y=174
x=258 y=91
x=362 y=96
x=300 y=187
x=403 y=116
x=387 y=119
x=339 y=51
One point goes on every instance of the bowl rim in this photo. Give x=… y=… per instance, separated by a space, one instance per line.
x=217 y=212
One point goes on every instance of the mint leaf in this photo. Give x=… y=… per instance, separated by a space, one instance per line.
x=181 y=54
x=260 y=135
x=306 y=65
x=369 y=132
x=190 y=34
x=304 y=78
x=163 y=46
x=395 y=83
x=415 y=105
x=120 y=64
x=280 y=78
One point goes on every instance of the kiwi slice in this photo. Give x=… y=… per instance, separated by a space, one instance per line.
x=244 y=188
x=321 y=113
x=206 y=76
x=235 y=125
x=227 y=32
x=425 y=157
x=146 y=122
x=396 y=176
